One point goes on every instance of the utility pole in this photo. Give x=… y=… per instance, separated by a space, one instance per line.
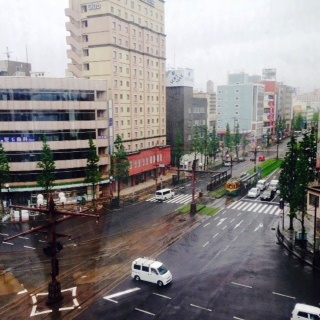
x=52 y=247
x=193 y=206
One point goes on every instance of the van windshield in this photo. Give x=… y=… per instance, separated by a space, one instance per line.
x=162 y=269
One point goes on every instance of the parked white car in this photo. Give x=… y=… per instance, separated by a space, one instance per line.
x=254 y=193
x=262 y=184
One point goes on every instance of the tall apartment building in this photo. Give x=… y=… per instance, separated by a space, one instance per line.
x=123 y=41
x=68 y=112
x=240 y=102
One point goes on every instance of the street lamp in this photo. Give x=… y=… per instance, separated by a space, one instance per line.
x=8 y=189
x=111 y=179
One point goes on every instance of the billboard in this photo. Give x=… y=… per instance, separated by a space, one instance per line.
x=180 y=78
x=269 y=74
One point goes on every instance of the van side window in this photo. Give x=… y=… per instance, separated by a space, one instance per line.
x=154 y=271
x=314 y=317
x=144 y=268
x=137 y=267
x=303 y=314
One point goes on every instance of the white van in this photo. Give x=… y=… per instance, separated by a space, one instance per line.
x=274 y=184
x=303 y=311
x=150 y=270
x=164 y=194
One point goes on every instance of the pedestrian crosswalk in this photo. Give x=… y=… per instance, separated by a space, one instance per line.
x=180 y=198
x=266 y=208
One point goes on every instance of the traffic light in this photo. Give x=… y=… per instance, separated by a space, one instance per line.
x=281 y=204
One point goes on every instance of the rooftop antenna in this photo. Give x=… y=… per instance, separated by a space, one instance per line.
x=7 y=53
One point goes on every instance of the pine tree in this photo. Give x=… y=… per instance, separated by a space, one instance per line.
x=4 y=172
x=237 y=139
x=228 y=139
x=46 y=176
x=93 y=174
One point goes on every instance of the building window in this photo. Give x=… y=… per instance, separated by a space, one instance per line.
x=86 y=66
x=84 y=24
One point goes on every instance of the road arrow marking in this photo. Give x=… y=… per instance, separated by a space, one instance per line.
x=221 y=221
x=119 y=294
x=237 y=225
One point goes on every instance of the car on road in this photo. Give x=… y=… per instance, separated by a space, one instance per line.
x=267 y=195
x=274 y=185
x=262 y=158
x=262 y=184
x=304 y=311
x=254 y=193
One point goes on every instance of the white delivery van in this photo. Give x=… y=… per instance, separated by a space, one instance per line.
x=164 y=194
x=274 y=184
x=150 y=270
x=304 y=311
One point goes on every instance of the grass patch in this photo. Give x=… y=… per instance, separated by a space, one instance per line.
x=201 y=209
x=267 y=167
x=219 y=193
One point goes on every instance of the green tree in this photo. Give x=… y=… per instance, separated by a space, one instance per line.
x=93 y=174
x=120 y=164
x=288 y=179
x=237 y=139
x=178 y=151
x=4 y=172
x=228 y=143
x=47 y=164
x=213 y=143
x=308 y=149
x=196 y=144
x=205 y=146
x=244 y=143
x=298 y=122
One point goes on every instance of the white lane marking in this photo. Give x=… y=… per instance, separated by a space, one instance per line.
x=29 y=247
x=215 y=218
x=232 y=220
x=253 y=206
x=242 y=205
x=239 y=214
x=241 y=285
x=119 y=294
x=262 y=208
x=24 y=238
x=238 y=318
x=235 y=238
x=144 y=311
x=283 y=295
x=8 y=243
x=42 y=241
x=237 y=225
x=4 y=234
x=215 y=235
x=247 y=206
x=205 y=244
x=267 y=209
x=223 y=212
x=273 y=210
x=221 y=221
x=206 y=224
x=193 y=305
x=257 y=207
x=161 y=295
x=224 y=227
x=277 y=212
x=235 y=205
x=258 y=227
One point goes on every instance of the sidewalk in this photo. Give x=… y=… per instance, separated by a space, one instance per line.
x=304 y=250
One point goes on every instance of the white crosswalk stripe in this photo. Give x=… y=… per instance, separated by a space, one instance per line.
x=182 y=198
x=255 y=207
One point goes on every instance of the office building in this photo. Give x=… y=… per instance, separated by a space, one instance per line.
x=68 y=112
x=186 y=110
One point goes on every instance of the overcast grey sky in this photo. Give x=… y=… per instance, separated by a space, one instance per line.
x=213 y=37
